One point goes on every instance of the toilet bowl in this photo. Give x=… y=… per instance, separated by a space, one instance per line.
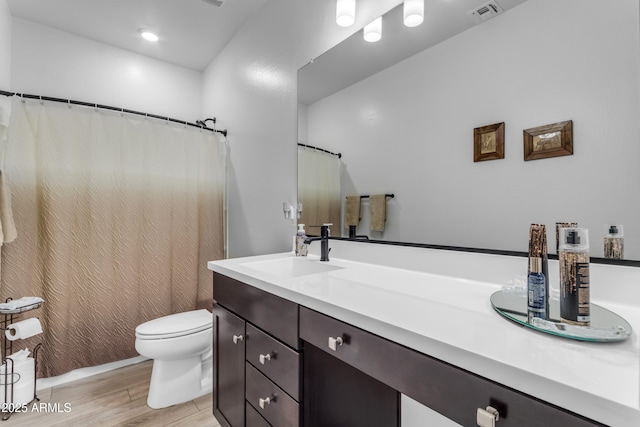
x=180 y=346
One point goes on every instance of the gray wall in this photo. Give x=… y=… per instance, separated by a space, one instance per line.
x=5 y=57
x=251 y=88
x=409 y=129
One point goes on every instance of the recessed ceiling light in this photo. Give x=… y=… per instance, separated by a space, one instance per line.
x=148 y=35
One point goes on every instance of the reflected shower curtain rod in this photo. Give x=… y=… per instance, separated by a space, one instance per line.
x=339 y=155
x=366 y=196
x=107 y=107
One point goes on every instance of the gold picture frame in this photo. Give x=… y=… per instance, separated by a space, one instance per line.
x=548 y=141
x=488 y=142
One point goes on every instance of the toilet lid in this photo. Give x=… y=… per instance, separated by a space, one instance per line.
x=177 y=324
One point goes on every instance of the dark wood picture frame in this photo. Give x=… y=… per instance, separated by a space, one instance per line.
x=488 y=142
x=548 y=141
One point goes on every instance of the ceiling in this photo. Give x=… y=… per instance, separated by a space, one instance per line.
x=192 y=32
x=355 y=59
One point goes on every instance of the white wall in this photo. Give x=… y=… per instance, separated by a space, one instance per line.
x=251 y=88
x=409 y=129
x=5 y=57
x=49 y=62
x=5 y=45
x=249 y=91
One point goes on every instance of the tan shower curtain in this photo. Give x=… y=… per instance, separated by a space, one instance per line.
x=117 y=216
x=319 y=190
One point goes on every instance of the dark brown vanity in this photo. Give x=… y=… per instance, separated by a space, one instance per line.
x=280 y=364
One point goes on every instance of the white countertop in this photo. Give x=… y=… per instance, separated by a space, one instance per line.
x=451 y=318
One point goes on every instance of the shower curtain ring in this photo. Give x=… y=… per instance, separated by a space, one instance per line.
x=41 y=103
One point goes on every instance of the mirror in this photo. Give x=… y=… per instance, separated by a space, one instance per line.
x=406 y=126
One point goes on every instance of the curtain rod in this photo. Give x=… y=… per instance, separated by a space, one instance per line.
x=366 y=196
x=107 y=107
x=339 y=155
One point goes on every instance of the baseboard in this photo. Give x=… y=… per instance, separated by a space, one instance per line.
x=77 y=374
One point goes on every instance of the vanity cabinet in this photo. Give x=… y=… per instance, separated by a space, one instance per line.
x=451 y=391
x=229 y=360
x=280 y=364
x=274 y=359
x=337 y=394
x=254 y=419
x=257 y=360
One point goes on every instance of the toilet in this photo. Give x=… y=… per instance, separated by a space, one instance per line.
x=181 y=348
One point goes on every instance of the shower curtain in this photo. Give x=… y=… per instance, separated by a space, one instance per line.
x=117 y=216
x=319 y=190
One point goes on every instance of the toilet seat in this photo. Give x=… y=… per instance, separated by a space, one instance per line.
x=175 y=325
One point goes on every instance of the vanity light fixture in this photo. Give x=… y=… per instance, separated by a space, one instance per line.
x=413 y=12
x=373 y=31
x=345 y=12
x=148 y=35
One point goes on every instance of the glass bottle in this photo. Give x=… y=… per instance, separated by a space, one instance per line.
x=613 y=241
x=574 y=276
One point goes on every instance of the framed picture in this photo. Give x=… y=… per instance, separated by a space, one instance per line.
x=548 y=141
x=488 y=142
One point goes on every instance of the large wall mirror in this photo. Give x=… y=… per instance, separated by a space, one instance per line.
x=403 y=113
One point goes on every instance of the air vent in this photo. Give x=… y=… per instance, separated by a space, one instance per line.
x=484 y=12
x=214 y=2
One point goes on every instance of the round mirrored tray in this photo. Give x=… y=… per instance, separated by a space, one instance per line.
x=605 y=325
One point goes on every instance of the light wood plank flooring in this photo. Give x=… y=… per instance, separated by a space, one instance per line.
x=115 y=398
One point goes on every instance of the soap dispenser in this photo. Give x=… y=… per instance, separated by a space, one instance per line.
x=301 y=247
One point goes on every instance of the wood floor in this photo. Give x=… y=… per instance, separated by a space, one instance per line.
x=115 y=398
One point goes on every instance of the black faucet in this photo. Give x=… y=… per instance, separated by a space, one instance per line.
x=352 y=234
x=324 y=242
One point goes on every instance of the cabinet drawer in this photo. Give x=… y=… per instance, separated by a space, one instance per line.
x=280 y=409
x=270 y=313
x=274 y=359
x=451 y=391
x=254 y=419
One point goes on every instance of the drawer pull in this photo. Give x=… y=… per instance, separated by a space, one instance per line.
x=334 y=343
x=264 y=358
x=265 y=401
x=237 y=339
x=487 y=417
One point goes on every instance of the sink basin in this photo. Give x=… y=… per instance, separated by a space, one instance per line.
x=291 y=267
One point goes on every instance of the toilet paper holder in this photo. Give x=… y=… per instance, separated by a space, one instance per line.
x=12 y=383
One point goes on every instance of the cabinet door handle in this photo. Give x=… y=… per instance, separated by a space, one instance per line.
x=264 y=358
x=264 y=402
x=487 y=417
x=237 y=339
x=334 y=343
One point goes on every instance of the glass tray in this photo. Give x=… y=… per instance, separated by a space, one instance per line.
x=605 y=325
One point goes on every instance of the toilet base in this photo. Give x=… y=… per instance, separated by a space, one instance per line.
x=176 y=381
